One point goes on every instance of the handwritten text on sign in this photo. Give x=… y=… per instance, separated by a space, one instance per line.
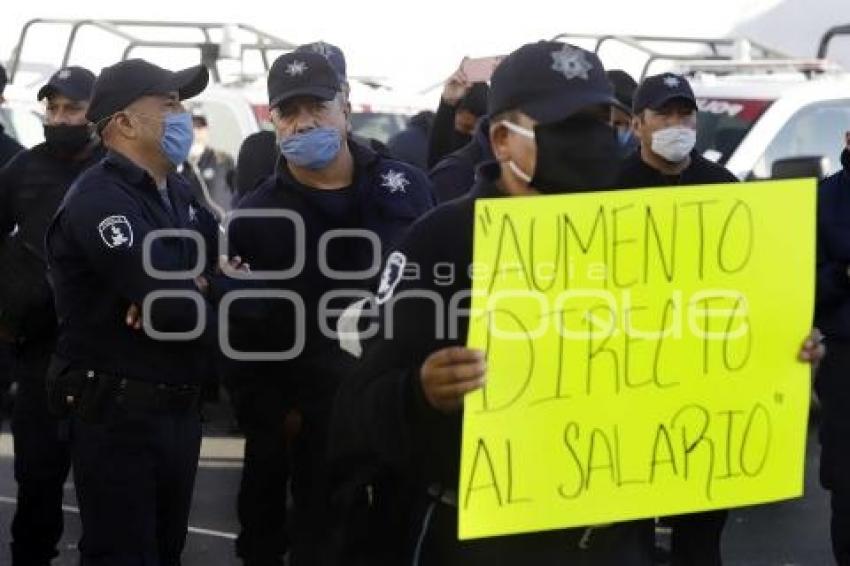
x=641 y=352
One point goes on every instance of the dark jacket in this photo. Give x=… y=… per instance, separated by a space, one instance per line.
x=383 y=425
x=444 y=137
x=256 y=161
x=95 y=256
x=454 y=176
x=832 y=310
x=411 y=144
x=32 y=185
x=385 y=198
x=635 y=173
x=9 y=147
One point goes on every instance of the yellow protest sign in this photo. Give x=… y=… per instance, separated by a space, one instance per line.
x=642 y=354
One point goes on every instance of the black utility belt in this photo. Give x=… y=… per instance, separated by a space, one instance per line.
x=86 y=393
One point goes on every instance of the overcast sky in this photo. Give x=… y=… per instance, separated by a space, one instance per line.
x=417 y=43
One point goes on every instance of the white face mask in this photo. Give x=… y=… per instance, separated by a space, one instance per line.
x=516 y=128
x=674 y=144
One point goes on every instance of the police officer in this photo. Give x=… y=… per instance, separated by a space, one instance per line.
x=8 y=146
x=131 y=388
x=331 y=183
x=621 y=113
x=832 y=315
x=397 y=420
x=32 y=185
x=665 y=122
x=400 y=414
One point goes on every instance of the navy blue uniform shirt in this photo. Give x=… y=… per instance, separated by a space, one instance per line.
x=94 y=248
x=454 y=175
x=385 y=197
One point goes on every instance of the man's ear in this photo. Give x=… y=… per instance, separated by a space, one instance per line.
x=499 y=142
x=637 y=124
x=125 y=125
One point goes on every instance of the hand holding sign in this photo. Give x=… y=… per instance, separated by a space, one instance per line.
x=449 y=374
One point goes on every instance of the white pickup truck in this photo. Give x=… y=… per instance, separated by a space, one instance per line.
x=759 y=110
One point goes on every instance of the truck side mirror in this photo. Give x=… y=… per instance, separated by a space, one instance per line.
x=816 y=166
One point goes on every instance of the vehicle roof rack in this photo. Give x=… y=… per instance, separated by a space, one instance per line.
x=720 y=56
x=827 y=38
x=807 y=67
x=212 y=52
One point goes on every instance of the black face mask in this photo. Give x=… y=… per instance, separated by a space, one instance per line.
x=67 y=140
x=576 y=154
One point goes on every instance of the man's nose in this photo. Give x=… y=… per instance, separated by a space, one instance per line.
x=303 y=126
x=305 y=120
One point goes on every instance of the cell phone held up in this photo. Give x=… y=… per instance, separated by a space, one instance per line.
x=479 y=70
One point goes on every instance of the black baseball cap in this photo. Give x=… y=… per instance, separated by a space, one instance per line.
x=123 y=83
x=302 y=74
x=624 y=88
x=549 y=81
x=331 y=52
x=655 y=91
x=74 y=82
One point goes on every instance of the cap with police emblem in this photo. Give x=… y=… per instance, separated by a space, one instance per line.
x=655 y=91
x=549 y=81
x=74 y=82
x=302 y=74
x=122 y=84
x=624 y=88
x=332 y=53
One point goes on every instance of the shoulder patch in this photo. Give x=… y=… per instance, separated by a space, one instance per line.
x=116 y=232
x=391 y=277
x=395 y=181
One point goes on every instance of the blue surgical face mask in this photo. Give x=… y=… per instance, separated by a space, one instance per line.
x=627 y=141
x=177 y=137
x=314 y=149
x=626 y=138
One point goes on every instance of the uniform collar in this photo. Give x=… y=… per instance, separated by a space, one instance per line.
x=134 y=174
x=131 y=172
